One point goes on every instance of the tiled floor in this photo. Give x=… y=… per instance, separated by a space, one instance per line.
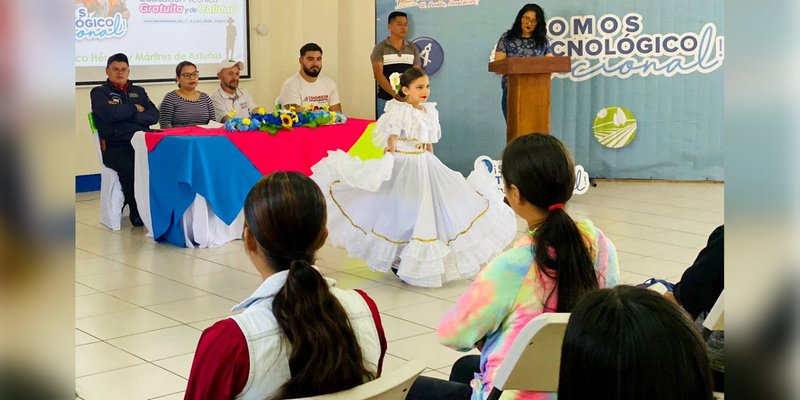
x=141 y=306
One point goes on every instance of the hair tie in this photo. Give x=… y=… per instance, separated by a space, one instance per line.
x=298 y=256
x=556 y=206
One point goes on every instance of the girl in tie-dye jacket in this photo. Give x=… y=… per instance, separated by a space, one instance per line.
x=553 y=259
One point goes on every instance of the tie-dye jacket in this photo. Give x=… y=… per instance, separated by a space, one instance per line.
x=505 y=296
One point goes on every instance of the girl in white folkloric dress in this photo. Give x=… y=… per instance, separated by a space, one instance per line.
x=407 y=211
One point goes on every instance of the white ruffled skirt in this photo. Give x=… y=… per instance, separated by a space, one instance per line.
x=409 y=211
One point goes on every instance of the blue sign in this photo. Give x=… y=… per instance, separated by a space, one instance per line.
x=666 y=68
x=430 y=53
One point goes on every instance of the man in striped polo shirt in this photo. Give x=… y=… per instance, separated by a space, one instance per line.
x=395 y=54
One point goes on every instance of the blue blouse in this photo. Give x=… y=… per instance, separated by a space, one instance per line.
x=521 y=47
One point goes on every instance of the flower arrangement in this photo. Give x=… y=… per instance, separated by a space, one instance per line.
x=260 y=120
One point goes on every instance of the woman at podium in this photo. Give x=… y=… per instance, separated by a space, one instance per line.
x=526 y=38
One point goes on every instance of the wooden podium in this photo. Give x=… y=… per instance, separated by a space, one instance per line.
x=529 y=92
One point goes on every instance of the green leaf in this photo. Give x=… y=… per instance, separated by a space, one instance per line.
x=271 y=129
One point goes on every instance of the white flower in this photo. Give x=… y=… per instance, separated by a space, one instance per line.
x=394 y=80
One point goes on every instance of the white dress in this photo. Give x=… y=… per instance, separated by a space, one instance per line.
x=409 y=211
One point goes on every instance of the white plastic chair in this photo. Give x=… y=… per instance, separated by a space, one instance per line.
x=111 y=198
x=715 y=320
x=534 y=360
x=391 y=386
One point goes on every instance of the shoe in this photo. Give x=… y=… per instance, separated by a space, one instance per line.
x=395 y=265
x=652 y=281
x=136 y=221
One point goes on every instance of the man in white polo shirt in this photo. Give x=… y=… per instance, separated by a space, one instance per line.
x=308 y=87
x=229 y=96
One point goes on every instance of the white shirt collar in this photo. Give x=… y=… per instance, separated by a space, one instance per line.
x=269 y=288
x=236 y=94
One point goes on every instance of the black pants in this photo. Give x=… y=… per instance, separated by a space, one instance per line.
x=456 y=388
x=119 y=157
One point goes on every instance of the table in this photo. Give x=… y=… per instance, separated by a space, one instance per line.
x=191 y=182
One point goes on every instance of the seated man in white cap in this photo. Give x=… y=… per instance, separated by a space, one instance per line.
x=230 y=96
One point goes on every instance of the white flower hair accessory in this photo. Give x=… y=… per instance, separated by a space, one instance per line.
x=394 y=80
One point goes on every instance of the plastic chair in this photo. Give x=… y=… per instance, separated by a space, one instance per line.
x=111 y=198
x=534 y=360
x=715 y=320
x=391 y=386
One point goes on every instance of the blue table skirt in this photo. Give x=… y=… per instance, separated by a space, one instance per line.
x=183 y=166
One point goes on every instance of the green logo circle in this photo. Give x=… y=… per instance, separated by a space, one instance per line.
x=614 y=127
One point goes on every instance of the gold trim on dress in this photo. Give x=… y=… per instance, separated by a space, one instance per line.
x=402 y=242
x=330 y=191
x=415 y=153
x=471 y=223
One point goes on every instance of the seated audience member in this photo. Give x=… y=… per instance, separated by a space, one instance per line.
x=702 y=283
x=121 y=109
x=308 y=87
x=698 y=291
x=297 y=335
x=229 y=96
x=630 y=343
x=186 y=105
x=548 y=271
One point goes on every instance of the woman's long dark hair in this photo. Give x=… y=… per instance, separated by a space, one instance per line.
x=285 y=213
x=629 y=344
x=543 y=171
x=539 y=35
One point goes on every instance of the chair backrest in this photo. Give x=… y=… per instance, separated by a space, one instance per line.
x=393 y=385
x=715 y=320
x=92 y=126
x=534 y=360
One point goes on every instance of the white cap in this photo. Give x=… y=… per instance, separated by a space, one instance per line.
x=230 y=63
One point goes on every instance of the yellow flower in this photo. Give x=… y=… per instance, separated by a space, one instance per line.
x=232 y=114
x=260 y=111
x=246 y=121
x=294 y=116
x=286 y=120
x=325 y=107
x=333 y=114
x=291 y=108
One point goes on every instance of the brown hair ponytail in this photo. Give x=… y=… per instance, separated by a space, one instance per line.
x=541 y=167
x=285 y=212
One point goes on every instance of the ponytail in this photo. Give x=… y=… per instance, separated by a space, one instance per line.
x=285 y=213
x=541 y=168
x=325 y=354
x=562 y=255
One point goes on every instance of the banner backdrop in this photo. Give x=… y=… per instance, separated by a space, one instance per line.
x=644 y=98
x=158 y=34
